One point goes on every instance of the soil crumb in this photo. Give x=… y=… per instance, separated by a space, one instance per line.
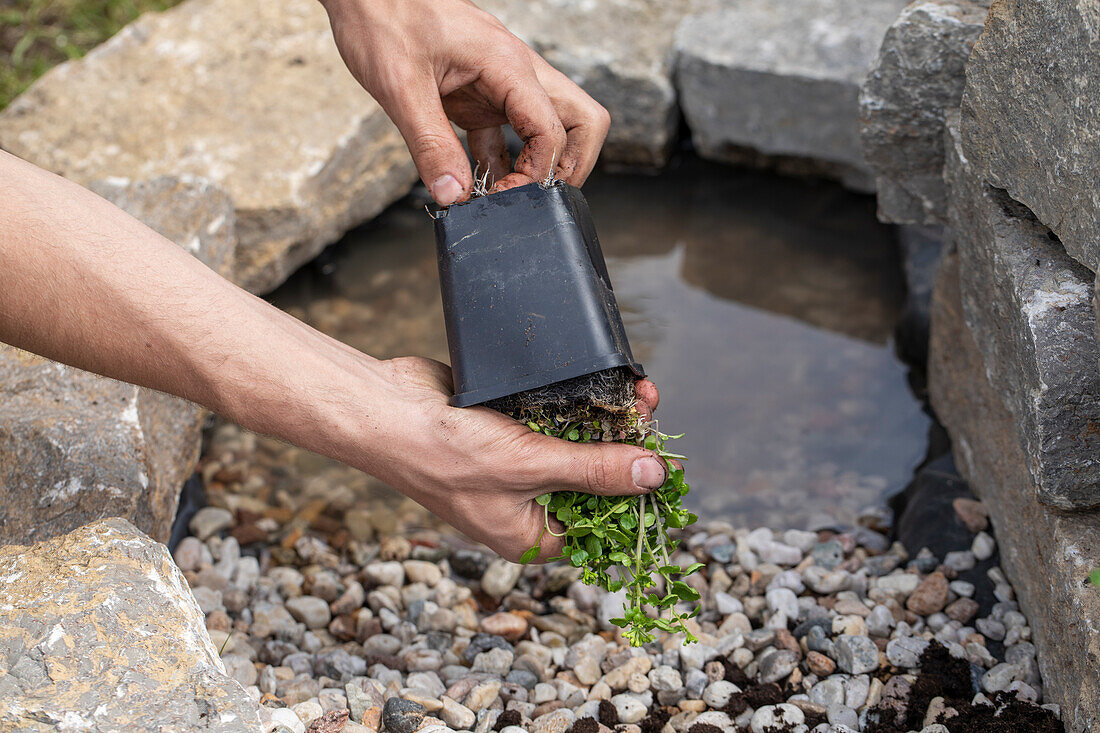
x=609 y=716
x=943 y=675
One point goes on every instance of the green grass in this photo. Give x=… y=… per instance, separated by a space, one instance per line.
x=36 y=35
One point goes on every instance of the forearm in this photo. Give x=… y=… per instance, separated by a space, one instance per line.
x=86 y=284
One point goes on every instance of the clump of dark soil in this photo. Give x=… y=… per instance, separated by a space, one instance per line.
x=655 y=721
x=608 y=715
x=507 y=718
x=942 y=675
x=606 y=397
x=586 y=725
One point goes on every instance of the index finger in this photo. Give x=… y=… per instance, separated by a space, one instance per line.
x=517 y=91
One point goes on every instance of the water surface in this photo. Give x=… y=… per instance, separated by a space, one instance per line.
x=761 y=306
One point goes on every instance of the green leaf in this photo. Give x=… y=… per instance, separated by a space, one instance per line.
x=544 y=499
x=1094 y=577
x=694 y=567
x=684 y=591
x=578 y=558
x=531 y=554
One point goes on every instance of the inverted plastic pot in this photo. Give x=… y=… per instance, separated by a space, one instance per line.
x=526 y=295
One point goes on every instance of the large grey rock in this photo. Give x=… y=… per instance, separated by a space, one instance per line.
x=781 y=78
x=621 y=54
x=1029 y=306
x=1031 y=114
x=101 y=633
x=250 y=96
x=1047 y=554
x=74 y=446
x=917 y=76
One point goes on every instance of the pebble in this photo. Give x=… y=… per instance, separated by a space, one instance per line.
x=311 y=611
x=718 y=694
x=402 y=716
x=856 y=654
x=510 y=626
x=500 y=577
x=960 y=560
x=629 y=708
x=188 y=554
x=929 y=596
x=210 y=520
x=456 y=715
x=972 y=513
x=1000 y=677
x=906 y=651
x=984 y=546
x=777 y=665
x=308 y=711
x=828 y=554
x=819 y=664
x=769 y=718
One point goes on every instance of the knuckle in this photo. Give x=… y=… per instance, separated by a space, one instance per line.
x=426 y=142
x=597 y=475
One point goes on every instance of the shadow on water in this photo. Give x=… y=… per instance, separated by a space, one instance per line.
x=763 y=307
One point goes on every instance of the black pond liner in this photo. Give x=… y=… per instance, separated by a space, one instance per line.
x=526 y=296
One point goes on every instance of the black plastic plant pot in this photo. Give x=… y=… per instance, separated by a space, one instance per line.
x=526 y=295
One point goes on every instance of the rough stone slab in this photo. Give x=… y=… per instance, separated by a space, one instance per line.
x=1031 y=114
x=1046 y=553
x=250 y=96
x=1030 y=308
x=102 y=633
x=780 y=78
x=74 y=446
x=916 y=77
x=621 y=54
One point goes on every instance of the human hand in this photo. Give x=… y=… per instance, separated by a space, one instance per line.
x=430 y=61
x=481 y=471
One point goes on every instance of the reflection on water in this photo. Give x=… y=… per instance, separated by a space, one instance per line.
x=761 y=306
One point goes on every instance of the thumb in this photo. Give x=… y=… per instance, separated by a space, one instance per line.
x=439 y=156
x=603 y=468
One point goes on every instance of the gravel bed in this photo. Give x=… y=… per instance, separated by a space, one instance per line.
x=343 y=608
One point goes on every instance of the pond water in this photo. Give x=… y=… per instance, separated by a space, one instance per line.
x=762 y=307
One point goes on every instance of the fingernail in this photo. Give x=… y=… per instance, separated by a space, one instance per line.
x=648 y=473
x=446 y=190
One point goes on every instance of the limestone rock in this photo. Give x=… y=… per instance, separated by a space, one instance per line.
x=252 y=97
x=1031 y=114
x=917 y=76
x=1047 y=554
x=101 y=633
x=782 y=79
x=75 y=447
x=621 y=54
x=1029 y=306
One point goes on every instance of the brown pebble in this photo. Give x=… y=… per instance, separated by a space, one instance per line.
x=331 y=722
x=852 y=607
x=930 y=596
x=820 y=664
x=971 y=513
x=547 y=707
x=343 y=628
x=511 y=626
x=962 y=610
x=785 y=640
x=714 y=670
x=218 y=621
x=246 y=534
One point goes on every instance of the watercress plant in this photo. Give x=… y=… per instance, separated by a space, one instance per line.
x=622 y=542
